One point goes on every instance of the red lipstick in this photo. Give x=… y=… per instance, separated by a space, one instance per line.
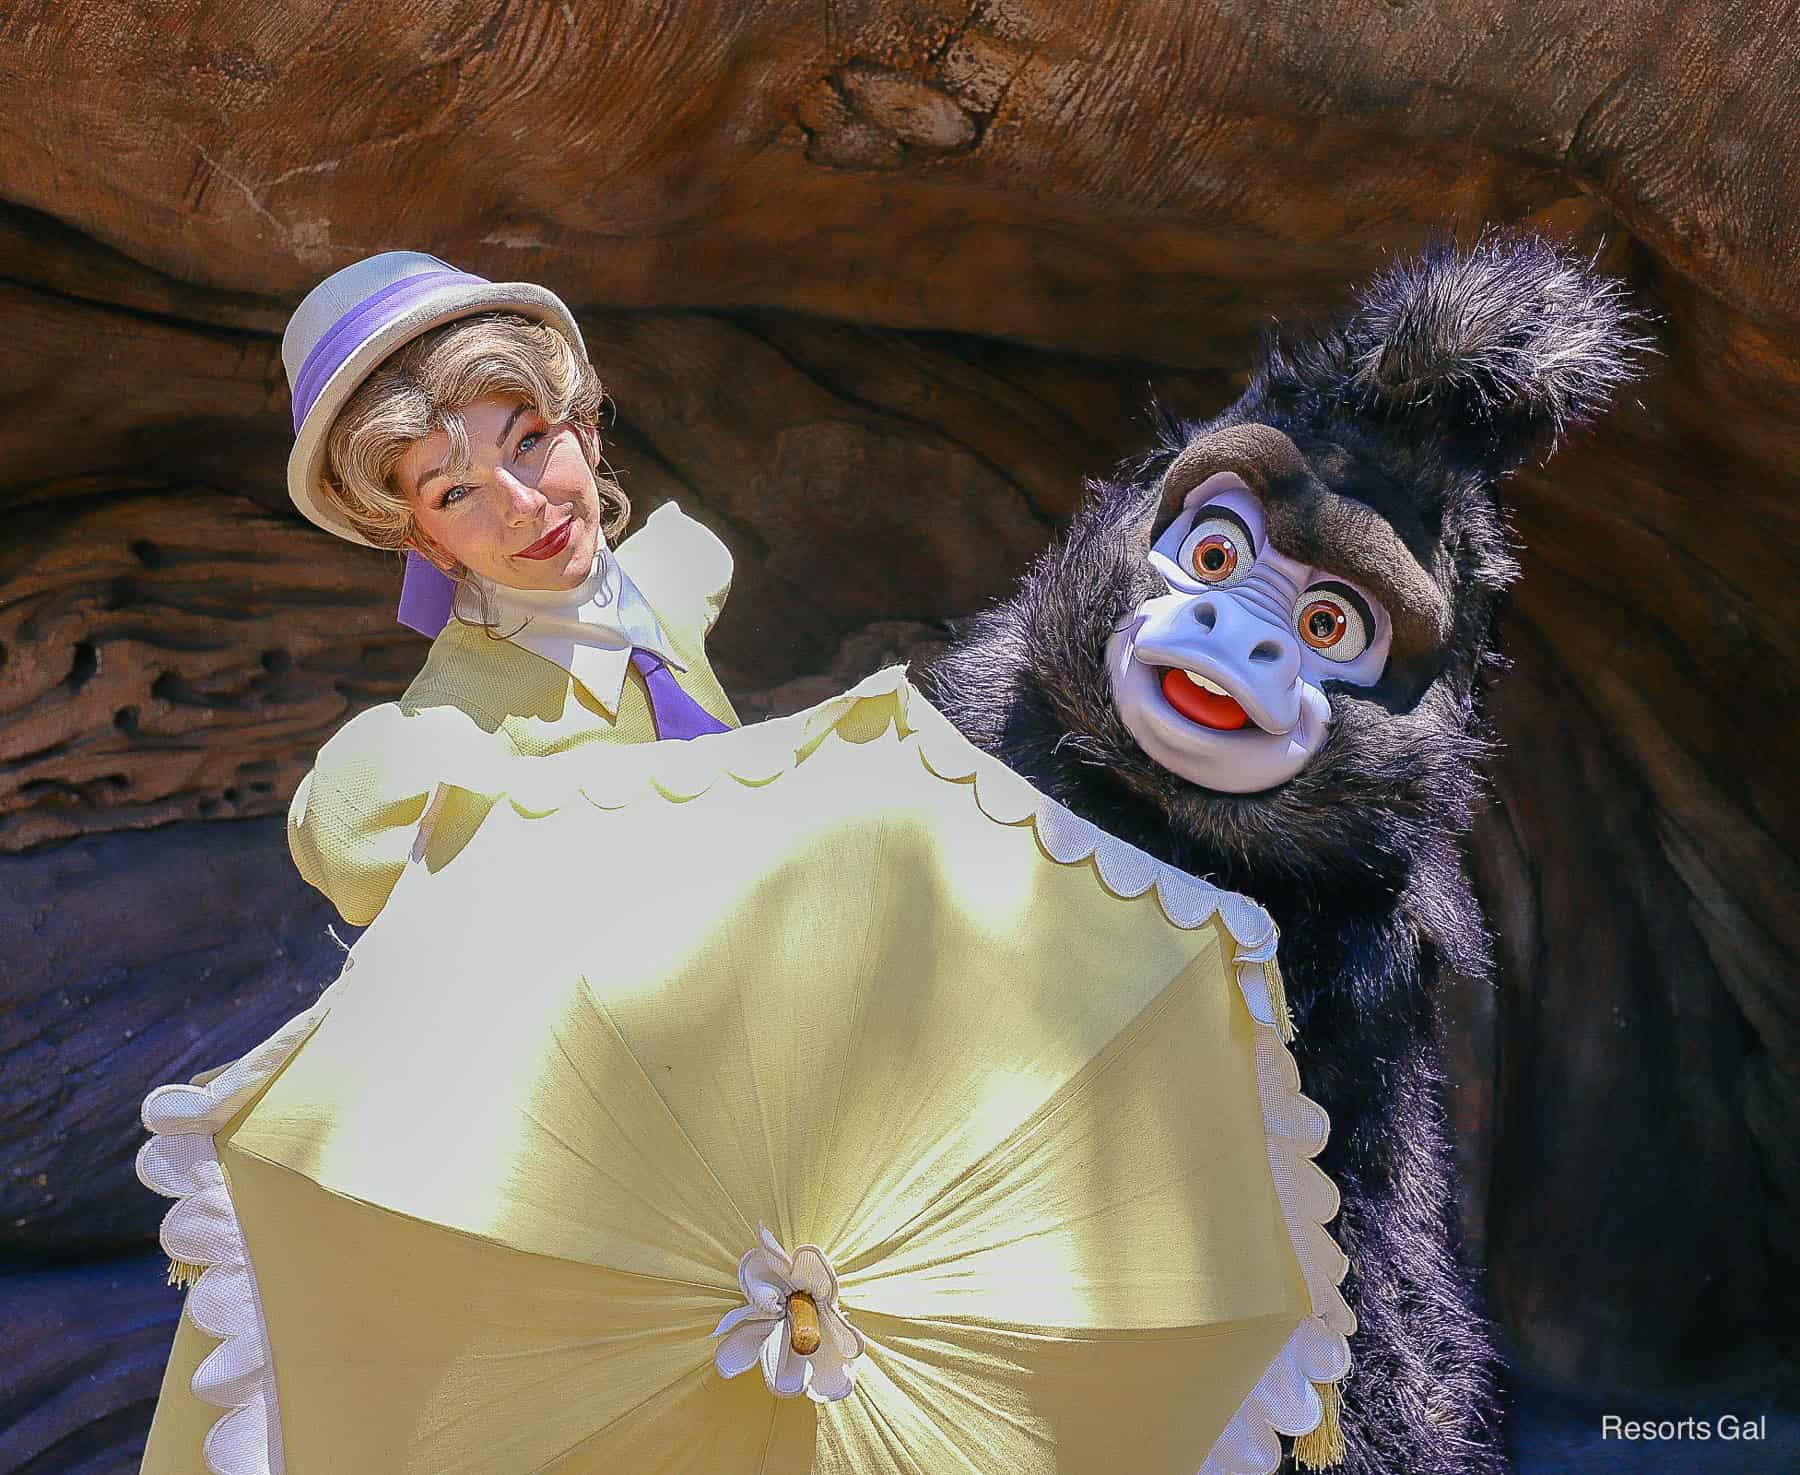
x=552 y=542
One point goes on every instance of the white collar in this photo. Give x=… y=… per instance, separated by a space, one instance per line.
x=590 y=630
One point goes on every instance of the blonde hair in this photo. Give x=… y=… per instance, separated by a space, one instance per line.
x=421 y=387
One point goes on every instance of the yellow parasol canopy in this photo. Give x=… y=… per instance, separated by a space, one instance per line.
x=816 y=1097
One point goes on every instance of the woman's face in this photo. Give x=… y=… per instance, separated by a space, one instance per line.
x=525 y=512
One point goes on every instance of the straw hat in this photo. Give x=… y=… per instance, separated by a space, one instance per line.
x=354 y=319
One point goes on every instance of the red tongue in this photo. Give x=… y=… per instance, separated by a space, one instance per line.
x=1197 y=704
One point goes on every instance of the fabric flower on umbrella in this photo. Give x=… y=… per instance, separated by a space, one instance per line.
x=791 y=1323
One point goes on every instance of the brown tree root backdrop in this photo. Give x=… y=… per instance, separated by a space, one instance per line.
x=874 y=287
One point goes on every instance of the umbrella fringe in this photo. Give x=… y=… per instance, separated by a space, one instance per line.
x=1324 y=1446
x=183 y=1273
x=1284 y=1021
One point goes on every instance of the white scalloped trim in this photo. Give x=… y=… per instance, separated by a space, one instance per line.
x=182 y=1162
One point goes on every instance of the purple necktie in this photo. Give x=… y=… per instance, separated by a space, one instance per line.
x=676 y=714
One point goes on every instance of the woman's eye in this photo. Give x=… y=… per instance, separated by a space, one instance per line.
x=450 y=497
x=1218 y=550
x=1330 y=623
x=528 y=443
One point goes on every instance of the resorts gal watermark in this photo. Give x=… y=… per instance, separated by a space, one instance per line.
x=1726 y=1426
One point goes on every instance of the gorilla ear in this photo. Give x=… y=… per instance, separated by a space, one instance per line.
x=1504 y=346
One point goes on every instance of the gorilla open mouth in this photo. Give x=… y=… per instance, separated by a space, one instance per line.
x=1202 y=701
x=1195 y=727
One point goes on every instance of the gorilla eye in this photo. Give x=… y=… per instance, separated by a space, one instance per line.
x=1215 y=557
x=1219 y=550
x=1334 y=622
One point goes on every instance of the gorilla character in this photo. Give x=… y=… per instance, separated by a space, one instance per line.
x=1256 y=656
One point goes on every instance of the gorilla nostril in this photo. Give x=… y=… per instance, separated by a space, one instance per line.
x=1265 y=650
x=1206 y=615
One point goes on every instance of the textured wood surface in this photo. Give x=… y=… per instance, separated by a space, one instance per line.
x=1640 y=871
x=170 y=655
x=1017 y=168
x=874 y=287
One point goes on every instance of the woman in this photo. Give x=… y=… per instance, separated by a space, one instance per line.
x=457 y=418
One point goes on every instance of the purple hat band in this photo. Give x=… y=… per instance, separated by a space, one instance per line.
x=426 y=596
x=355 y=328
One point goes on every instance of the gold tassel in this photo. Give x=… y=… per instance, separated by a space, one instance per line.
x=183 y=1273
x=1323 y=1446
x=1284 y=1021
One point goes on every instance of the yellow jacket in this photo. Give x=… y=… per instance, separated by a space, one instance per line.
x=353 y=820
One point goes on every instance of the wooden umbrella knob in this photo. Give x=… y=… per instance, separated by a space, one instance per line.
x=803 y=1324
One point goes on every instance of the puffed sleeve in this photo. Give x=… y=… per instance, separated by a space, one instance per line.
x=354 y=818
x=681 y=565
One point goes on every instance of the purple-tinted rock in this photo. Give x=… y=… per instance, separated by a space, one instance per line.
x=84 y=1351
x=131 y=960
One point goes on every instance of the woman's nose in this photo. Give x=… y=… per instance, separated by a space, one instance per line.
x=522 y=502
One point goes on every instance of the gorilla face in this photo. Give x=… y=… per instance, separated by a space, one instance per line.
x=1286 y=586
x=1257 y=653
x=1290 y=573
x=1221 y=678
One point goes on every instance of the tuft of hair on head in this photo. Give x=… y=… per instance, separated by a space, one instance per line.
x=1501 y=348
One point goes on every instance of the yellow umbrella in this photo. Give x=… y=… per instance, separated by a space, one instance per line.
x=816 y=1097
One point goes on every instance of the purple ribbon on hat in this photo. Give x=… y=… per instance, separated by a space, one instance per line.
x=427 y=596
x=354 y=328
